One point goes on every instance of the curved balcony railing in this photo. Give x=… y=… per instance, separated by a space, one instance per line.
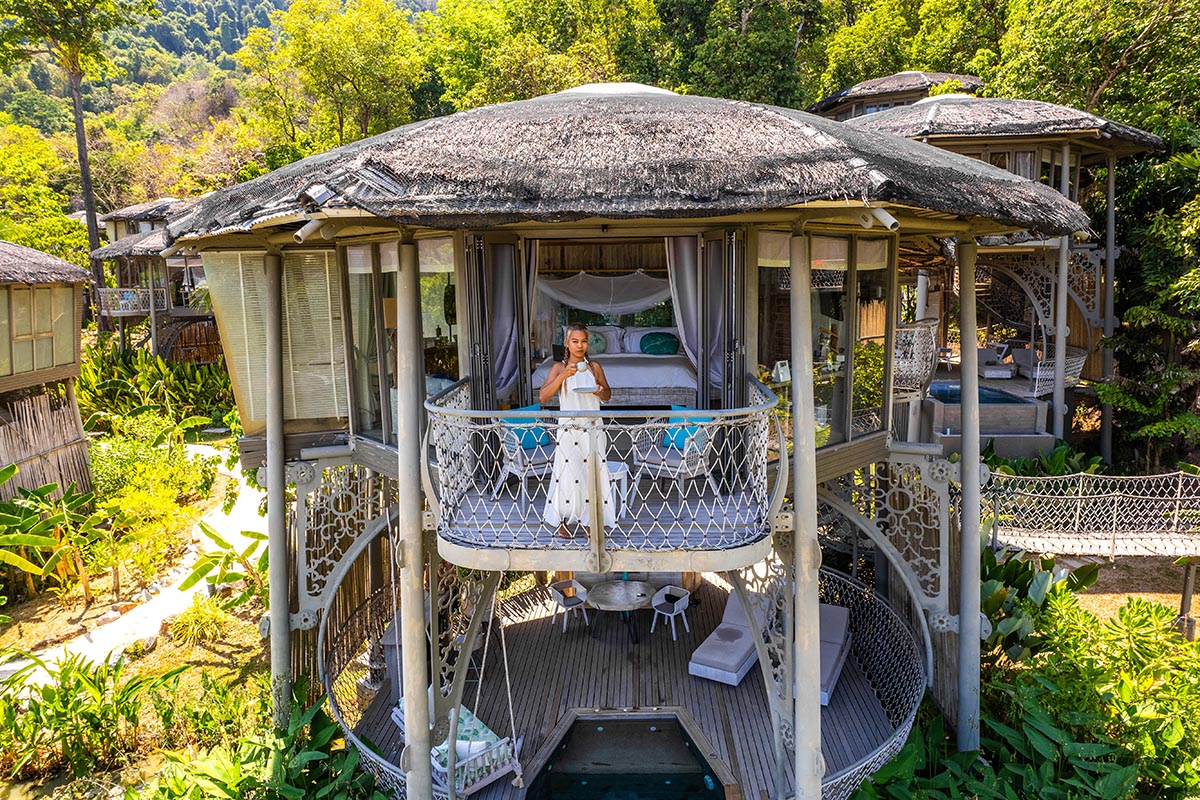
x=667 y=481
x=131 y=300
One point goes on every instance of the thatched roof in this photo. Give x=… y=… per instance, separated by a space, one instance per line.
x=19 y=264
x=149 y=211
x=963 y=116
x=899 y=83
x=149 y=243
x=597 y=153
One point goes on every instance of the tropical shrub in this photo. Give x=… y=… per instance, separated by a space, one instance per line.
x=131 y=457
x=1062 y=460
x=115 y=382
x=229 y=710
x=85 y=716
x=1103 y=707
x=228 y=564
x=309 y=759
x=203 y=621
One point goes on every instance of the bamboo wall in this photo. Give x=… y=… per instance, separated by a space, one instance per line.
x=198 y=343
x=43 y=435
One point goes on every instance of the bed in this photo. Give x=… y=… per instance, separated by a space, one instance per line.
x=639 y=379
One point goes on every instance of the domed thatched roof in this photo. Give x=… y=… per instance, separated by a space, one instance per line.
x=20 y=264
x=962 y=116
x=151 y=210
x=147 y=243
x=597 y=153
x=910 y=81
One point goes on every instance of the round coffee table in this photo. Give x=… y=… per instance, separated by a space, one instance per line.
x=622 y=597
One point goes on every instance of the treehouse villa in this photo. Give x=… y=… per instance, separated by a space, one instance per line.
x=389 y=311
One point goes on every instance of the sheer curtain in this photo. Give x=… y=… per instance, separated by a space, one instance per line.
x=683 y=267
x=625 y=294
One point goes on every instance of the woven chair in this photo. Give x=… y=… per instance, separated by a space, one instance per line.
x=569 y=596
x=521 y=460
x=670 y=602
x=654 y=458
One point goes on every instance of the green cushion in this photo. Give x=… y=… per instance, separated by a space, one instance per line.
x=596 y=343
x=659 y=343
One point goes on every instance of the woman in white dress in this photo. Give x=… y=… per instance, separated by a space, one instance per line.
x=581 y=386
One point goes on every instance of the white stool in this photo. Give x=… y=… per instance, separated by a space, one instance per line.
x=618 y=472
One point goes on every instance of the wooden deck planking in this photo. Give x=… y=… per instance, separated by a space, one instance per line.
x=552 y=672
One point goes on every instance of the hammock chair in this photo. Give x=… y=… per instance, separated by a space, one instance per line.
x=916 y=358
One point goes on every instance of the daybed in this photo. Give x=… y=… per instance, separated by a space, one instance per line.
x=729 y=651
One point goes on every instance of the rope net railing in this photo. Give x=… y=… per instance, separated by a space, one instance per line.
x=886 y=650
x=678 y=480
x=1101 y=515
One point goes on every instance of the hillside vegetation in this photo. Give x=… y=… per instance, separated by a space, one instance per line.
x=205 y=93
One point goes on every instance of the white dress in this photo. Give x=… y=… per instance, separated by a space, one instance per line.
x=568 y=498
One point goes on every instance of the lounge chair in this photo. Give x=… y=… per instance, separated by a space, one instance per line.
x=729 y=652
x=481 y=756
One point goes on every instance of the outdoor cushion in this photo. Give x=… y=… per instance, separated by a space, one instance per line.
x=660 y=343
x=529 y=434
x=725 y=649
x=681 y=429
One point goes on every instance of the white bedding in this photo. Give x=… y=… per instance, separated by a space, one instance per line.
x=636 y=371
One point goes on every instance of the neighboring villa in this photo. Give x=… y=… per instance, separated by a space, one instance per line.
x=168 y=292
x=1026 y=284
x=389 y=311
x=41 y=311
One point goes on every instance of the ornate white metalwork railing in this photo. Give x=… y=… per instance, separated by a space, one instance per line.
x=1106 y=515
x=677 y=480
x=1041 y=370
x=131 y=300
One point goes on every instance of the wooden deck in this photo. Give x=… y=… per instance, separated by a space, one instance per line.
x=552 y=672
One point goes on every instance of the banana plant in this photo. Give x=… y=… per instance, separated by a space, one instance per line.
x=231 y=565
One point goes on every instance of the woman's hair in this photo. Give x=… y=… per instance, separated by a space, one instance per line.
x=576 y=327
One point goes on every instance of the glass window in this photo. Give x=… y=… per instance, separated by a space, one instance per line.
x=65 y=327
x=43 y=315
x=830 y=258
x=872 y=285
x=439 y=310
x=23 y=355
x=999 y=160
x=5 y=333
x=22 y=314
x=366 y=356
x=1024 y=162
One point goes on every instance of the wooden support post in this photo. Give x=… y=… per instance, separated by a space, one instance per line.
x=410 y=396
x=809 y=762
x=970 y=548
x=1059 y=406
x=278 y=577
x=1110 y=285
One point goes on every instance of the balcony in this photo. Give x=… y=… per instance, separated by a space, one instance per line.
x=131 y=301
x=683 y=490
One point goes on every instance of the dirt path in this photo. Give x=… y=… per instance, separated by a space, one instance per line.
x=144 y=620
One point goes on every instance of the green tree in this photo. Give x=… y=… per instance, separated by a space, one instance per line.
x=330 y=72
x=71 y=33
x=876 y=44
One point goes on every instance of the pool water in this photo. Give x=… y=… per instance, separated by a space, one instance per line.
x=626 y=759
x=951 y=393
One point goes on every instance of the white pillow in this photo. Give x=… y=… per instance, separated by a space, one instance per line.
x=469 y=749
x=633 y=337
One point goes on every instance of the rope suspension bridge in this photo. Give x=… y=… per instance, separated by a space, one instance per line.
x=1097 y=515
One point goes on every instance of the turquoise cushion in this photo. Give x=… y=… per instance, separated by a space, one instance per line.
x=677 y=434
x=597 y=344
x=659 y=343
x=530 y=435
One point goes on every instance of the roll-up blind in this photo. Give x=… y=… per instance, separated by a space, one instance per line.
x=314 y=374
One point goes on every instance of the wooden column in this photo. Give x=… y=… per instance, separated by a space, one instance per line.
x=1110 y=285
x=1059 y=409
x=970 y=549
